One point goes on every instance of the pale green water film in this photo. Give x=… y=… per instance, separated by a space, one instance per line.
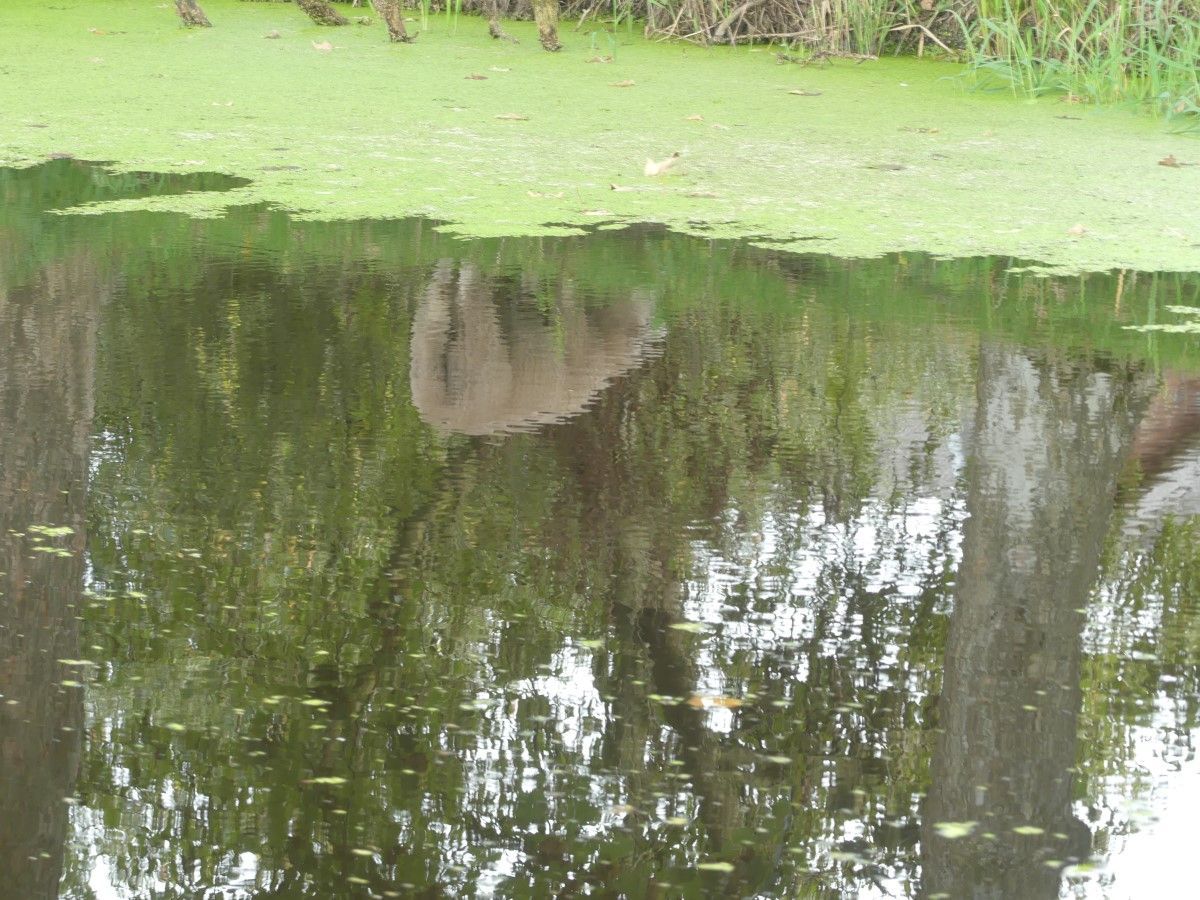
x=355 y=560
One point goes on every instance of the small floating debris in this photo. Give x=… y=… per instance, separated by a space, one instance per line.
x=662 y=167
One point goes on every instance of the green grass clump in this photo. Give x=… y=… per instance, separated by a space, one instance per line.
x=1099 y=51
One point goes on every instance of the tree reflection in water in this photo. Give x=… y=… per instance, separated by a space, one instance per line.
x=625 y=563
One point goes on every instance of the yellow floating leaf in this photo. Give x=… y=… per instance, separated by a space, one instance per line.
x=713 y=701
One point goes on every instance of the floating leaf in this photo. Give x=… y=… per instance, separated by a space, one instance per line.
x=52 y=530
x=661 y=167
x=322 y=46
x=952 y=831
x=1029 y=829
x=715 y=867
x=175 y=726
x=1177 y=328
x=713 y=701
x=475 y=76
x=512 y=117
x=325 y=779
x=664 y=698
x=628 y=82
x=690 y=627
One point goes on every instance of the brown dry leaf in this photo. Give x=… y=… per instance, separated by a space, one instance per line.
x=804 y=93
x=599 y=59
x=628 y=82
x=713 y=701
x=272 y=35
x=707 y=194
x=512 y=117
x=621 y=188
x=696 y=118
x=475 y=76
x=323 y=46
x=1170 y=161
x=720 y=127
x=1077 y=230
x=99 y=31
x=499 y=69
x=539 y=195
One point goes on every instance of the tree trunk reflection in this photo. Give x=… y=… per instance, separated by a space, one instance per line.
x=46 y=383
x=1049 y=440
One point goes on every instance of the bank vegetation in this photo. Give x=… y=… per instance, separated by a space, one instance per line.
x=1099 y=51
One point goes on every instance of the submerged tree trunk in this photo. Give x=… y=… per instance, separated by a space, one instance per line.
x=545 y=13
x=393 y=18
x=322 y=13
x=192 y=14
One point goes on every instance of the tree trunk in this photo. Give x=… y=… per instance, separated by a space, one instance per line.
x=192 y=14
x=545 y=13
x=494 y=28
x=393 y=18
x=322 y=13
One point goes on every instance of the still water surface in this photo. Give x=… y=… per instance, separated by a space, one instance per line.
x=353 y=560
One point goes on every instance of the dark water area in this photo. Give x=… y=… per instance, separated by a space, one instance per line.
x=356 y=560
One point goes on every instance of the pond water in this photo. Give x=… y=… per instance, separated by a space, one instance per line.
x=355 y=560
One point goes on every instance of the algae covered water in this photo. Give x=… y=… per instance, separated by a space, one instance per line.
x=356 y=560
